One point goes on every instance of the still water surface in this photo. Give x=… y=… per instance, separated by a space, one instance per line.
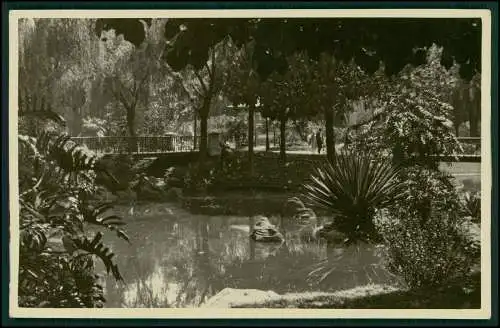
x=177 y=259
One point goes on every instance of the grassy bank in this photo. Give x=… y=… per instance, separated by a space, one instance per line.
x=383 y=297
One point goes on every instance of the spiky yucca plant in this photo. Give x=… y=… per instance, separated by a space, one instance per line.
x=351 y=187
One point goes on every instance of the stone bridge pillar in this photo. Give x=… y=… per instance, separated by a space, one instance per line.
x=214 y=139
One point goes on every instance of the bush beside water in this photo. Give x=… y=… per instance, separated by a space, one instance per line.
x=428 y=242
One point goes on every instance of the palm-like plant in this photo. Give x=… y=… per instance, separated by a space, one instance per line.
x=351 y=187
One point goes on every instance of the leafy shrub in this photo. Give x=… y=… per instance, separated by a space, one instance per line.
x=428 y=190
x=198 y=178
x=57 y=188
x=413 y=126
x=429 y=244
x=351 y=188
x=434 y=254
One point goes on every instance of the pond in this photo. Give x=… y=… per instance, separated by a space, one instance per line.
x=177 y=259
x=180 y=259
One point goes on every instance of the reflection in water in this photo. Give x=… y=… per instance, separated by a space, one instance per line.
x=177 y=259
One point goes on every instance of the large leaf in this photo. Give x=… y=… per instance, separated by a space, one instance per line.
x=96 y=247
x=68 y=155
x=95 y=215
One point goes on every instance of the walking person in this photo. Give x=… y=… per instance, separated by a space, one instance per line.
x=319 y=141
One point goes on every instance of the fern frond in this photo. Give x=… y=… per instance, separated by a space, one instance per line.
x=93 y=215
x=96 y=247
x=68 y=155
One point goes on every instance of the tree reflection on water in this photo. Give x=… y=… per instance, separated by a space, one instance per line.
x=178 y=259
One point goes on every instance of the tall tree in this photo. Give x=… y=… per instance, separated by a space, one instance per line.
x=335 y=83
x=56 y=63
x=445 y=85
x=206 y=64
x=127 y=70
x=243 y=87
x=285 y=96
x=467 y=104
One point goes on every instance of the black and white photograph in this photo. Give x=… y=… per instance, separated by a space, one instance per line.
x=217 y=161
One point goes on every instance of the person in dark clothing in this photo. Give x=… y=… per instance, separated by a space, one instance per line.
x=319 y=141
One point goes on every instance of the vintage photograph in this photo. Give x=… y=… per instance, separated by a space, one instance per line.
x=249 y=162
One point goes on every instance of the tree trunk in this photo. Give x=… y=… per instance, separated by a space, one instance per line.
x=474 y=111
x=251 y=111
x=274 y=135
x=195 y=128
x=203 y=137
x=267 y=134
x=472 y=120
x=330 y=134
x=457 y=102
x=251 y=223
x=76 y=125
x=132 y=144
x=283 y=139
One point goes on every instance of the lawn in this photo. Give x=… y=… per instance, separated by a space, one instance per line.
x=384 y=297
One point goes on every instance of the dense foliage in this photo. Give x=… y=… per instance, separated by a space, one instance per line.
x=57 y=189
x=412 y=126
x=429 y=242
x=368 y=40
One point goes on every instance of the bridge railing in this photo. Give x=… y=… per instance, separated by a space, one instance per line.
x=172 y=143
x=140 y=144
